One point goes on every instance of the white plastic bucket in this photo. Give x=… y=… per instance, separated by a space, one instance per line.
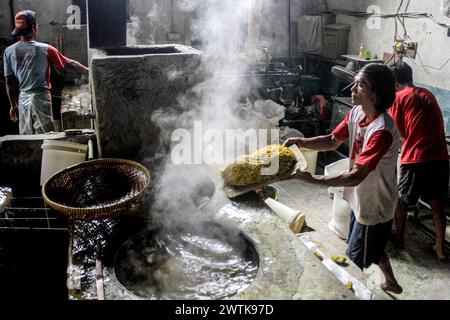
x=311 y=159
x=292 y=133
x=340 y=219
x=336 y=168
x=57 y=155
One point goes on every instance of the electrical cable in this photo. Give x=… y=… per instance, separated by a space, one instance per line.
x=407 y=5
x=400 y=20
x=398 y=9
x=11 y=7
x=289 y=33
x=395 y=30
x=428 y=66
x=412 y=15
x=403 y=21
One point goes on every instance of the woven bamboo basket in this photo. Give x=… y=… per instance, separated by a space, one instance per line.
x=97 y=189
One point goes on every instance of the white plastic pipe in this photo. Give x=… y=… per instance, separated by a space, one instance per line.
x=293 y=218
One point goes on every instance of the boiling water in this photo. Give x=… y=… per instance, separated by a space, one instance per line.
x=185 y=265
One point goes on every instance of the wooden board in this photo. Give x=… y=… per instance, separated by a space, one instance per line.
x=235 y=191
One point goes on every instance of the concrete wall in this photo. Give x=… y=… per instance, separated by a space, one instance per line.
x=52 y=19
x=51 y=16
x=107 y=23
x=75 y=47
x=150 y=23
x=273 y=28
x=433 y=43
x=277 y=17
x=5 y=19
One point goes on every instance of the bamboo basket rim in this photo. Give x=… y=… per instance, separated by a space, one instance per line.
x=98 y=212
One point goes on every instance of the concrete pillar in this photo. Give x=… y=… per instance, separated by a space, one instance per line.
x=128 y=86
x=82 y=5
x=6 y=19
x=107 y=23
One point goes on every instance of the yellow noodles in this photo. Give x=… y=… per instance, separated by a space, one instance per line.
x=246 y=170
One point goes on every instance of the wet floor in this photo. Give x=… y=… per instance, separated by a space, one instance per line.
x=418 y=271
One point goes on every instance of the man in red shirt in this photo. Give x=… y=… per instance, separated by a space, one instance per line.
x=29 y=62
x=424 y=166
x=370 y=185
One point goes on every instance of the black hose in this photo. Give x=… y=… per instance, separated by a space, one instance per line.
x=289 y=33
x=11 y=7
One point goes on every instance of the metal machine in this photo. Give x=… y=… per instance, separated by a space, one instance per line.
x=290 y=88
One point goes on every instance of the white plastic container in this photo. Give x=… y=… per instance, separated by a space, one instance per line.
x=340 y=219
x=311 y=159
x=292 y=133
x=57 y=155
x=336 y=168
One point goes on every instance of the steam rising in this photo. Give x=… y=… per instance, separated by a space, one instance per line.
x=152 y=19
x=185 y=196
x=221 y=29
x=133 y=31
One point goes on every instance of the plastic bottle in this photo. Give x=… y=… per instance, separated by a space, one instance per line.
x=362 y=51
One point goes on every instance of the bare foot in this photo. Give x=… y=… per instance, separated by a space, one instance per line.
x=439 y=254
x=394 y=288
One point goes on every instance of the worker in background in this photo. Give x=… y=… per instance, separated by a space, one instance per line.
x=424 y=165
x=29 y=62
x=370 y=185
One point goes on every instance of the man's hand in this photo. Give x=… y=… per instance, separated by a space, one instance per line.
x=297 y=141
x=14 y=113
x=301 y=175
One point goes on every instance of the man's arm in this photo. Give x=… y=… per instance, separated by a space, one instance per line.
x=57 y=59
x=344 y=179
x=320 y=143
x=11 y=91
x=75 y=65
x=365 y=162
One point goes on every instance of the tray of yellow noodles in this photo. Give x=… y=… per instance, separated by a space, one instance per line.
x=261 y=168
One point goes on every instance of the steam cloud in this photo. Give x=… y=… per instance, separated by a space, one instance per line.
x=221 y=32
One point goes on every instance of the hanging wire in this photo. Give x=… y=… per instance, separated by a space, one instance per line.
x=399 y=7
x=428 y=66
x=395 y=30
x=411 y=15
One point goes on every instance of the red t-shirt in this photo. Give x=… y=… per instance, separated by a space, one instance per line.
x=376 y=147
x=419 y=120
x=56 y=59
